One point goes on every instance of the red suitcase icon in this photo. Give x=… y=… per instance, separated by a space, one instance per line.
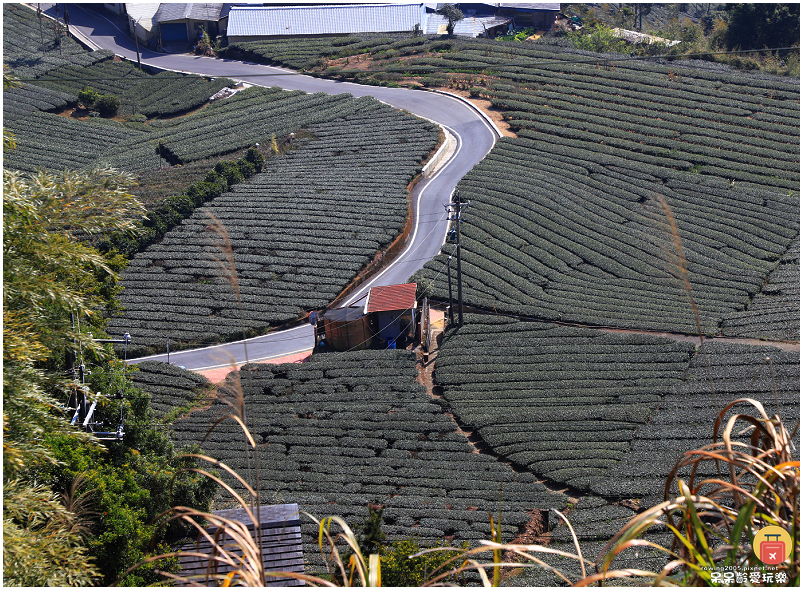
x=773 y=552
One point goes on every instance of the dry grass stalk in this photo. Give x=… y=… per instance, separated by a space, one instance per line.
x=763 y=489
x=78 y=502
x=681 y=265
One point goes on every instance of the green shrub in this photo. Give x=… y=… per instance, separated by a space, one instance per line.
x=600 y=39
x=254 y=157
x=230 y=171
x=212 y=176
x=424 y=286
x=181 y=204
x=107 y=105
x=88 y=97
x=138 y=118
x=246 y=168
x=398 y=570
x=210 y=188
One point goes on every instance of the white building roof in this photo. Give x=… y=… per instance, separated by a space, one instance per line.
x=142 y=13
x=249 y=21
x=170 y=11
x=469 y=26
x=550 y=6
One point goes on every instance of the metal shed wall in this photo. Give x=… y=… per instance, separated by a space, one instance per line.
x=267 y=21
x=347 y=329
x=283 y=546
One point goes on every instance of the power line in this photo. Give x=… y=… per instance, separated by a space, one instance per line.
x=424 y=68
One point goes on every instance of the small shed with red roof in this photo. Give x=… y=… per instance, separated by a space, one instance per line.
x=392 y=312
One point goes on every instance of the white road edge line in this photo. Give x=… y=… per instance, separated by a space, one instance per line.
x=221 y=345
x=406 y=250
x=484 y=117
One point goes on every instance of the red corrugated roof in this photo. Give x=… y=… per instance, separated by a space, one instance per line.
x=392 y=297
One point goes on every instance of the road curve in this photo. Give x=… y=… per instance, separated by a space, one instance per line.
x=475 y=138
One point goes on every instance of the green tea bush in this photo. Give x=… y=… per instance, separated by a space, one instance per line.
x=305 y=227
x=256 y=158
x=107 y=105
x=230 y=171
x=88 y=97
x=171 y=211
x=340 y=441
x=563 y=402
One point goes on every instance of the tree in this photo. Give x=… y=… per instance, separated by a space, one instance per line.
x=131 y=485
x=88 y=97
x=624 y=17
x=40 y=546
x=598 y=38
x=452 y=14
x=49 y=274
x=639 y=11
x=759 y=26
x=107 y=105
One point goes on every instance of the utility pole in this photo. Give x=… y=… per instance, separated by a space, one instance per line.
x=455 y=208
x=58 y=32
x=136 y=38
x=449 y=292
x=79 y=400
x=41 y=33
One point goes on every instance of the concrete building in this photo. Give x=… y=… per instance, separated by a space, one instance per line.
x=140 y=19
x=183 y=22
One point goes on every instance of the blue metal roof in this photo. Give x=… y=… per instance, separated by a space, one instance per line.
x=251 y=21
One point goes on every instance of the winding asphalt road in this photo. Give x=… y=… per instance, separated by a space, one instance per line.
x=474 y=134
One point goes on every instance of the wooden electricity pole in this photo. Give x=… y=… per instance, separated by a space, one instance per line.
x=455 y=208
